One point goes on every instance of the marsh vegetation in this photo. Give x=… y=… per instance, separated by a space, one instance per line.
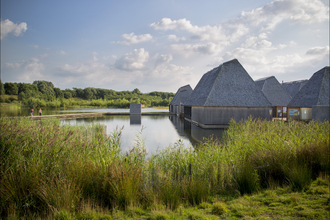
x=260 y=169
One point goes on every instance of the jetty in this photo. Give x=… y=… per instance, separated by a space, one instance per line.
x=97 y=114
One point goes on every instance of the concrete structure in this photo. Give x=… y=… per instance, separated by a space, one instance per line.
x=224 y=93
x=315 y=93
x=276 y=95
x=135 y=109
x=177 y=104
x=294 y=87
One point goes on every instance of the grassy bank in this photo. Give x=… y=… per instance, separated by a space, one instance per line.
x=75 y=172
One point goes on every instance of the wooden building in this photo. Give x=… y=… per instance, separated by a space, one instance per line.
x=177 y=104
x=314 y=96
x=276 y=95
x=224 y=93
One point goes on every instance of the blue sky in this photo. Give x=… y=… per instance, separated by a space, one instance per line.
x=159 y=45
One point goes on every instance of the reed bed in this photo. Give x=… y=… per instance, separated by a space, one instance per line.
x=48 y=169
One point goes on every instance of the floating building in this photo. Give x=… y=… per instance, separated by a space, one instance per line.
x=224 y=93
x=177 y=103
x=312 y=101
x=276 y=95
x=294 y=87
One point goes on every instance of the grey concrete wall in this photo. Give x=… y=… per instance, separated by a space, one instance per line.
x=135 y=109
x=321 y=113
x=223 y=115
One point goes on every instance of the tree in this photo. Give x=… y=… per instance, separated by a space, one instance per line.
x=88 y=93
x=136 y=91
x=58 y=93
x=2 y=88
x=67 y=95
x=45 y=87
x=11 y=88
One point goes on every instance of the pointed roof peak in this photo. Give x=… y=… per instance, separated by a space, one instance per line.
x=315 y=92
x=227 y=85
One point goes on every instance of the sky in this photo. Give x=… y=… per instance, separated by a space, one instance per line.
x=159 y=45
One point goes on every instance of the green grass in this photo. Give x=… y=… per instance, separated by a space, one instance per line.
x=261 y=169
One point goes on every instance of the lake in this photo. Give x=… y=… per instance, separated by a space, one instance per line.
x=158 y=132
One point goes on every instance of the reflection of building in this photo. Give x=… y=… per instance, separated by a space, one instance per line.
x=276 y=95
x=224 y=93
x=194 y=133
x=294 y=87
x=177 y=103
x=135 y=119
x=312 y=101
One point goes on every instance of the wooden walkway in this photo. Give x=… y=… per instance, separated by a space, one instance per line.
x=98 y=114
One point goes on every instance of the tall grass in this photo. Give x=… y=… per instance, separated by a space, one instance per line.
x=47 y=169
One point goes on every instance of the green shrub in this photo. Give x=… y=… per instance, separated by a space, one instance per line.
x=219 y=208
x=63 y=215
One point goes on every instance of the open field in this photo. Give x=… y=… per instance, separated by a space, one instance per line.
x=261 y=170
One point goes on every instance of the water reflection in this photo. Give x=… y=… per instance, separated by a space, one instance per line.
x=157 y=131
x=135 y=119
x=194 y=133
x=12 y=112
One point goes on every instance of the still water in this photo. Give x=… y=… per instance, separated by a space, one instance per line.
x=12 y=112
x=158 y=132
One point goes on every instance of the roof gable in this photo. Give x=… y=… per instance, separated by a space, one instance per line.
x=315 y=92
x=273 y=91
x=293 y=87
x=181 y=95
x=227 y=85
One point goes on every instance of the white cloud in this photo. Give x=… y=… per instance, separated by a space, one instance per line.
x=259 y=62
x=133 y=61
x=303 y=11
x=173 y=37
x=134 y=39
x=62 y=52
x=188 y=49
x=8 y=26
x=94 y=56
x=27 y=70
x=210 y=33
x=318 y=51
x=162 y=59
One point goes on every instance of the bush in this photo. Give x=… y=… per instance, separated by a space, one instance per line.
x=219 y=208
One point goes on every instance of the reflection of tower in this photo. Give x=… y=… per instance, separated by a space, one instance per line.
x=135 y=119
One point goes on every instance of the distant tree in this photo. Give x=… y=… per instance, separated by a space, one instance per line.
x=79 y=93
x=136 y=91
x=67 y=95
x=58 y=93
x=88 y=94
x=2 y=88
x=45 y=87
x=11 y=88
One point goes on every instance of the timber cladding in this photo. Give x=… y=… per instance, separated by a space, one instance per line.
x=223 y=115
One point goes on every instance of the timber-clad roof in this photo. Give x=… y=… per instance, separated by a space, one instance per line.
x=181 y=95
x=227 y=85
x=273 y=91
x=293 y=87
x=315 y=92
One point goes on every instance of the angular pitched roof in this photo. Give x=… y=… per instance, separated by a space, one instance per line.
x=181 y=95
x=227 y=85
x=293 y=87
x=273 y=91
x=315 y=92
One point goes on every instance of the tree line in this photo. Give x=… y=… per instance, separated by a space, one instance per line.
x=44 y=94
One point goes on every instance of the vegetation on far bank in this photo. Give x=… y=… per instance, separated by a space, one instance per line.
x=44 y=94
x=261 y=170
